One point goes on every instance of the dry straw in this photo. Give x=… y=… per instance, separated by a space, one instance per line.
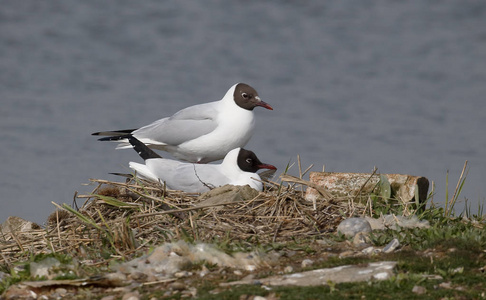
x=120 y=218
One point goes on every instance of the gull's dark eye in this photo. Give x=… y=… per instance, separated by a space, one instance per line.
x=249 y=161
x=245 y=95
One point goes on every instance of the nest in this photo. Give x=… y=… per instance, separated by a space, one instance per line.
x=123 y=217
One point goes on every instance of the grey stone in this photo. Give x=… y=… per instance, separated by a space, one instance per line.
x=307 y=263
x=397 y=222
x=182 y=274
x=44 y=267
x=61 y=291
x=419 y=290
x=350 y=227
x=348 y=273
x=17 y=224
x=135 y=295
x=171 y=259
x=392 y=246
x=369 y=250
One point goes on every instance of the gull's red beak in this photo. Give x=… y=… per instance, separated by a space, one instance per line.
x=266 y=166
x=263 y=103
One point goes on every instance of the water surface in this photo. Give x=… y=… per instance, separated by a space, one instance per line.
x=398 y=85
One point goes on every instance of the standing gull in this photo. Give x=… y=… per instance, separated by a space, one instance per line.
x=200 y=133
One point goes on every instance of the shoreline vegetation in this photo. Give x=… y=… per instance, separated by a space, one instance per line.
x=241 y=238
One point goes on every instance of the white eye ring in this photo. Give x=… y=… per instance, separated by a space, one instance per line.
x=245 y=95
x=249 y=160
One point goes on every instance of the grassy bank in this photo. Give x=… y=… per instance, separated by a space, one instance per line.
x=120 y=221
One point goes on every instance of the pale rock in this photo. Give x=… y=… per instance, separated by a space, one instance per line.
x=307 y=263
x=352 y=226
x=61 y=291
x=391 y=246
x=18 y=291
x=346 y=254
x=361 y=239
x=348 y=273
x=44 y=268
x=182 y=274
x=397 y=222
x=17 y=224
x=419 y=290
x=135 y=295
x=369 y=250
x=171 y=258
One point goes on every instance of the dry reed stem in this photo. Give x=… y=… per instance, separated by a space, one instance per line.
x=279 y=214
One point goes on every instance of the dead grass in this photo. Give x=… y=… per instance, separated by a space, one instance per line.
x=119 y=218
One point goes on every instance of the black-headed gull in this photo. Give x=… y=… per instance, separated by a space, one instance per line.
x=200 y=133
x=239 y=167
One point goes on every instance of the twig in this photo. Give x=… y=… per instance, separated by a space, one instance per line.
x=58 y=227
x=276 y=232
x=320 y=189
x=152 y=198
x=364 y=184
x=187 y=209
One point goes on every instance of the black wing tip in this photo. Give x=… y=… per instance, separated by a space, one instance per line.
x=143 y=150
x=114 y=132
x=109 y=138
x=115 y=138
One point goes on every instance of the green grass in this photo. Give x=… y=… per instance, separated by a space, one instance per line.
x=460 y=268
x=21 y=271
x=454 y=233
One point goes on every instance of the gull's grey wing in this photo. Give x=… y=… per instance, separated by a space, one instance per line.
x=197 y=177
x=185 y=125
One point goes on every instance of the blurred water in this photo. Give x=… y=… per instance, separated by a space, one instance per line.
x=398 y=85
